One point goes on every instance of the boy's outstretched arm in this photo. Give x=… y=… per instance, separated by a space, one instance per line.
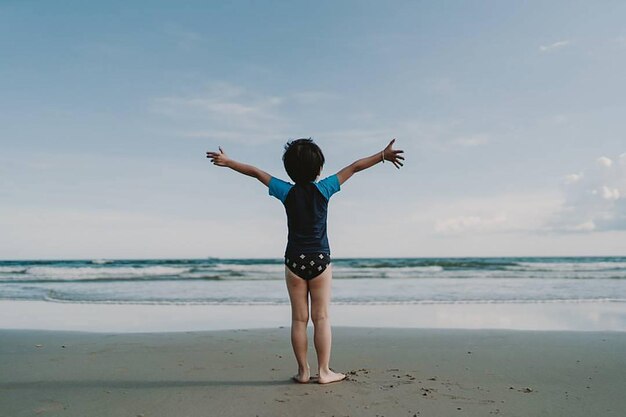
x=388 y=154
x=222 y=160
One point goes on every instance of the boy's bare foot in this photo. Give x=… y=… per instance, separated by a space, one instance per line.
x=330 y=376
x=302 y=376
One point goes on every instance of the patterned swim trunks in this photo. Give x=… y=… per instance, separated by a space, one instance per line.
x=307 y=265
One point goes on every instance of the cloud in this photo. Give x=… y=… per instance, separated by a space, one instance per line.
x=472 y=140
x=506 y=213
x=470 y=223
x=225 y=111
x=68 y=233
x=377 y=136
x=588 y=226
x=313 y=97
x=609 y=193
x=554 y=46
x=605 y=162
x=183 y=37
x=573 y=178
x=595 y=199
x=439 y=85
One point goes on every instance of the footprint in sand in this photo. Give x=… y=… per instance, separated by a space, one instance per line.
x=357 y=375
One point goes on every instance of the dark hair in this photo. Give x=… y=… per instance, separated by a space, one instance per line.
x=303 y=160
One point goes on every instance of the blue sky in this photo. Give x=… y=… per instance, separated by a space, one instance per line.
x=511 y=116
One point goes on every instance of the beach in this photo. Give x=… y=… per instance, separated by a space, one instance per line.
x=391 y=372
x=416 y=337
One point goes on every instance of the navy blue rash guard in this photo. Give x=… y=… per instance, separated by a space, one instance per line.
x=307 y=207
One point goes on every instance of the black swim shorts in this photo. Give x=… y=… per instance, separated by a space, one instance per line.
x=307 y=265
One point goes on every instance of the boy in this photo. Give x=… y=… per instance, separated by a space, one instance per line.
x=307 y=257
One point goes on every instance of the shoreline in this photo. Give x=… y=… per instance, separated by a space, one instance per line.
x=392 y=372
x=130 y=318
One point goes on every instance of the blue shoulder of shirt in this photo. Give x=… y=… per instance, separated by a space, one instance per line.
x=279 y=188
x=328 y=186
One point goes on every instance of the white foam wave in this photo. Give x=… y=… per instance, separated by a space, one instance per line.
x=433 y=268
x=569 y=266
x=12 y=269
x=52 y=298
x=267 y=268
x=388 y=272
x=103 y=272
x=100 y=261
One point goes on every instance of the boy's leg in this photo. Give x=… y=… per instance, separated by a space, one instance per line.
x=299 y=297
x=319 y=287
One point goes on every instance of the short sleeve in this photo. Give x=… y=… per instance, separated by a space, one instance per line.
x=328 y=186
x=279 y=188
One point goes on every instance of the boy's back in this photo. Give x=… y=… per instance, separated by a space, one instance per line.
x=306 y=205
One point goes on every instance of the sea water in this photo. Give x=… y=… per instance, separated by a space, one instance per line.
x=355 y=281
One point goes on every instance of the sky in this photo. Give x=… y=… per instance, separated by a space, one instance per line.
x=511 y=116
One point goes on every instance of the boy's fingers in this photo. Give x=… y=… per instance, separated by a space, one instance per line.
x=399 y=157
x=220 y=148
x=398 y=151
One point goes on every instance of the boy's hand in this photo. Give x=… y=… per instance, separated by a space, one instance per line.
x=219 y=158
x=393 y=155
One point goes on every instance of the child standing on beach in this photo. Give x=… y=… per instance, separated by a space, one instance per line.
x=307 y=257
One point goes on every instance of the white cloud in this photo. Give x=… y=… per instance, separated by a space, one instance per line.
x=594 y=199
x=470 y=224
x=472 y=140
x=378 y=136
x=573 y=178
x=589 y=226
x=225 y=111
x=96 y=233
x=605 y=162
x=609 y=193
x=506 y=213
x=441 y=85
x=183 y=37
x=220 y=102
x=313 y=97
x=412 y=135
x=408 y=132
x=553 y=46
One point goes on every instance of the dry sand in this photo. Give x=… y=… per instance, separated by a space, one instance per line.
x=392 y=372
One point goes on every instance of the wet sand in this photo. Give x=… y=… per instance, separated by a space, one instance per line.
x=139 y=318
x=392 y=372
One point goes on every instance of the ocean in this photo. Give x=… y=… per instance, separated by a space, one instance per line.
x=356 y=281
